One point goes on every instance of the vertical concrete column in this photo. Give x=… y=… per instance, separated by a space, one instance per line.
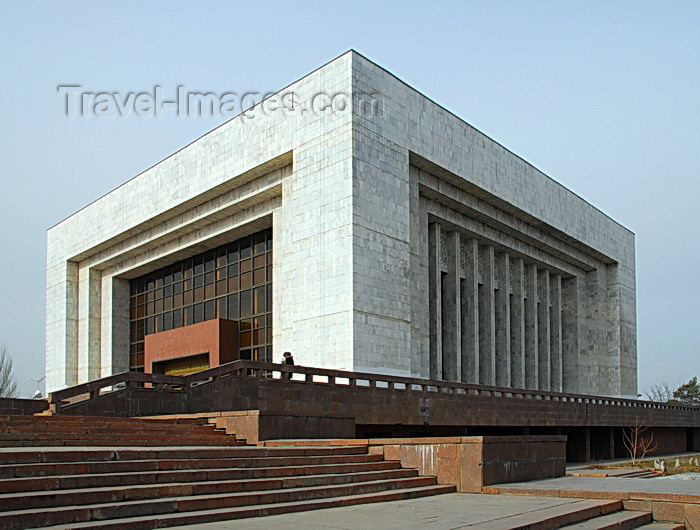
x=72 y=328
x=543 y=331
x=614 y=352
x=89 y=311
x=588 y=453
x=332 y=231
x=598 y=378
x=64 y=346
x=555 y=326
x=487 y=324
x=502 y=318
x=470 y=312
x=531 y=331
x=435 y=304
x=420 y=320
x=626 y=285
x=571 y=301
x=115 y=326
x=380 y=296
x=451 y=309
x=517 y=324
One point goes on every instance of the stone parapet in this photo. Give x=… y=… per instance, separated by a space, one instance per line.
x=22 y=407
x=469 y=462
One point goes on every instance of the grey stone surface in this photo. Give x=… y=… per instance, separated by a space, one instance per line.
x=441 y=512
x=621 y=485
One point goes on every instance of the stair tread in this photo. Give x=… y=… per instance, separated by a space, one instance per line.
x=222 y=514
x=98 y=468
x=181 y=474
x=176 y=500
x=109 y=442
x=58 y=454
x=175 y=458
x=614 y=520
x=129 y=493
x=570 y=513
x=662 y=526
x=34 y=484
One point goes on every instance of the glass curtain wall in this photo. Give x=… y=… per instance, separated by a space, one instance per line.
x=233 y=281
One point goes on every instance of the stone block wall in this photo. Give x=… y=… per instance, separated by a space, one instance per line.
x=472 y=462
x=254 y=427
x=22 y=407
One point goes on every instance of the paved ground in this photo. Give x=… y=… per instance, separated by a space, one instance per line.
x=624 y=485
x=457 y=510
x=440 y=512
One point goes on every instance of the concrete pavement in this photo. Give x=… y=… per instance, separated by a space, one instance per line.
x=515 y=504
x=440 y=512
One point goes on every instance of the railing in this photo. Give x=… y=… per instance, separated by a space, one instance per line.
x=321 y=376
x=92 y=390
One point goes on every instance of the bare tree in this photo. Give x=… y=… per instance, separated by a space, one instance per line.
x=661 y=393
x=8 y=385
x=638 y=444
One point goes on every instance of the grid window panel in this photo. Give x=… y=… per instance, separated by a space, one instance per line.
x=232 y=281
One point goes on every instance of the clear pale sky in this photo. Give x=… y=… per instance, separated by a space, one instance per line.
x=604 y=97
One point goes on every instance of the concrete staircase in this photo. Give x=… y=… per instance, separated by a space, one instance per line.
x=40 y=430
x=140 y=488
x=617 y=519
x=589 y=514
x=597 y=510
x=625 y=520
x=638 y=473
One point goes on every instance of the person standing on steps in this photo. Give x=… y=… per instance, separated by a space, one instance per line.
x=288 y=360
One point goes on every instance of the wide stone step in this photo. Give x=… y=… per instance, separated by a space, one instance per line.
x=51 y=483
x=644 y=473
x=111 y=436
x=51 y=499
x=20 y=519
x=562 y=515
x=116 y=435
x=59 y=422
x=84 y=468
x=109 y=441
x=185 y=430
x=57 y=455
x=623 y=520
x=228 y=514
x=662 y=526
x=32 y=431
x=70 y=422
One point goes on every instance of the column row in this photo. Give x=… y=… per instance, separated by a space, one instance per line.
x=494 y=319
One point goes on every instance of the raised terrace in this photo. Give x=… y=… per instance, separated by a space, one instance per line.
x=269 y=401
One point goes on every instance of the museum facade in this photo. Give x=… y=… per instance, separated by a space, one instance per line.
x=353 y=221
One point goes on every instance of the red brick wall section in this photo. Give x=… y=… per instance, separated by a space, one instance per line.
x=228 y=341
x=219 y=337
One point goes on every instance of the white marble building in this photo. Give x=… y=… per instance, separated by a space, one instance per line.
x=404 y=241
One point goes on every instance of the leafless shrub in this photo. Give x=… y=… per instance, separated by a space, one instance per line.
x=636 y=442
